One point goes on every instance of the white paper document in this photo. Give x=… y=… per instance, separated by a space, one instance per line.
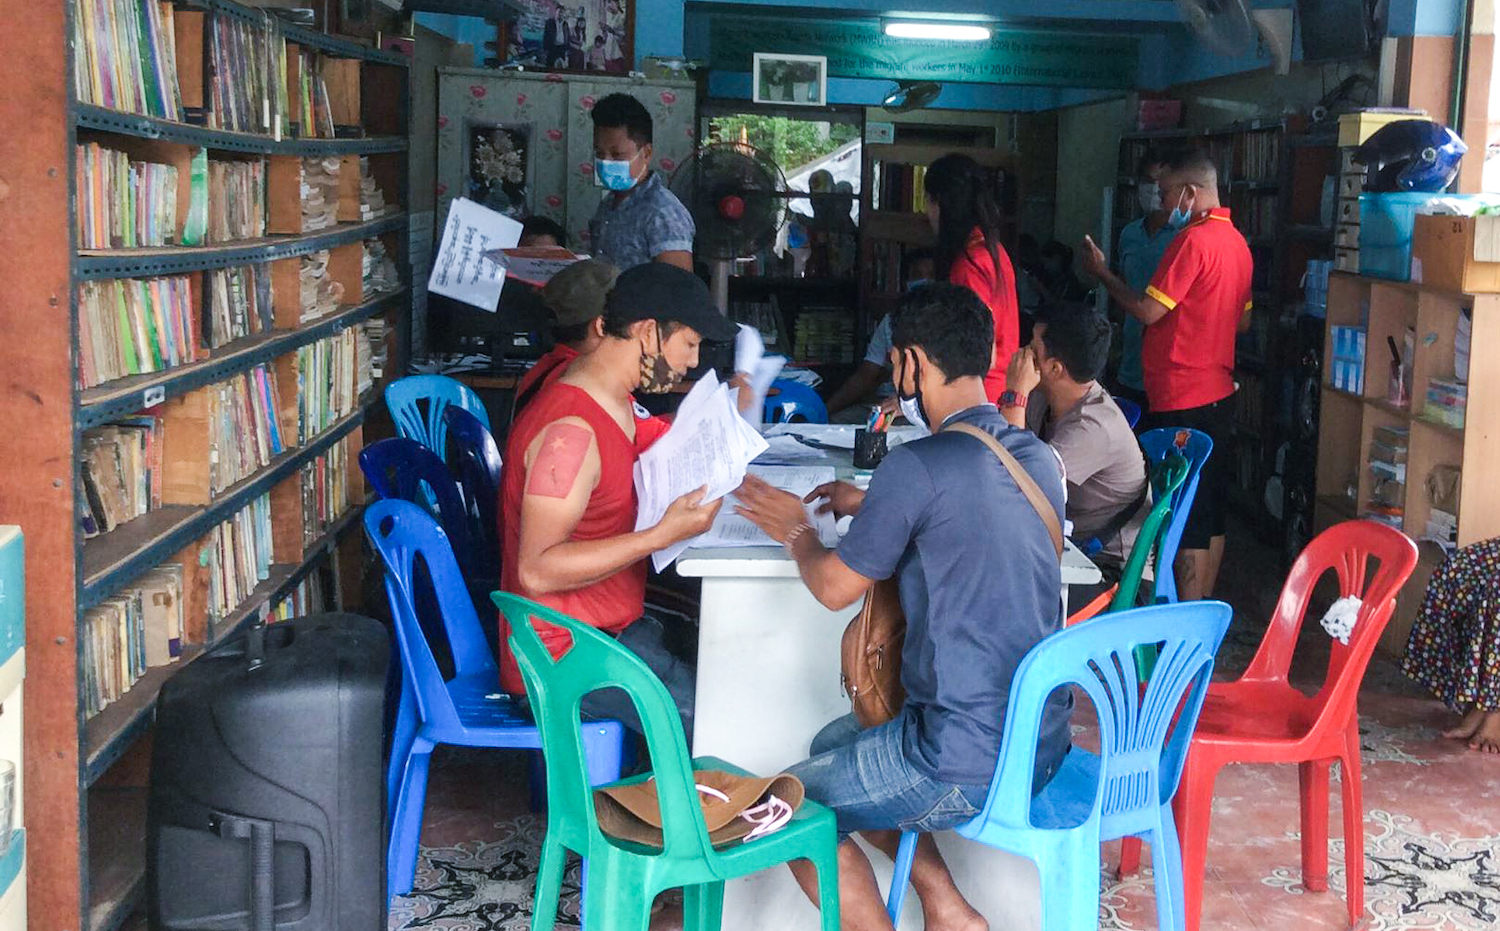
x=461 y=270
x=730 y=529
x=751 y=359
x=788 y=450
x=534 y=265
x=841 y=436
x=709 y=444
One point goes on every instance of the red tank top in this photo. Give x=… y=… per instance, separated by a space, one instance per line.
x=610 y=604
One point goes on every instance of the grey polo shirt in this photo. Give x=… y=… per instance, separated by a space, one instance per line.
x=642 y=226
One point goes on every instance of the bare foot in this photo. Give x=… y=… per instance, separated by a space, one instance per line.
x=1487 y=738
x=1467 y=726
x=960 y=917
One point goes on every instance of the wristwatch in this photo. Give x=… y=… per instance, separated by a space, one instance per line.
x=1011 y=398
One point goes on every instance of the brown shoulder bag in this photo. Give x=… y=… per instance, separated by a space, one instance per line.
x=870 y=659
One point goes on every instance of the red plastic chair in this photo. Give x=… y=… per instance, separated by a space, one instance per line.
x=1260 y=718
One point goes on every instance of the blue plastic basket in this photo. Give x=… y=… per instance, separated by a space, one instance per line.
x=1385 y=230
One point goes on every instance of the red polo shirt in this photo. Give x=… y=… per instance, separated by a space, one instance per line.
x=1204 y=282
x=996 y=286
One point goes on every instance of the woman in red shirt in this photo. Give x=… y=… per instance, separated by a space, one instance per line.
x=963 y=205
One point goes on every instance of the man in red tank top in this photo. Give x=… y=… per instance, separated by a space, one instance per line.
x=568 y=504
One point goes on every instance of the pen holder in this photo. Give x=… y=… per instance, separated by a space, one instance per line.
x=869 y=448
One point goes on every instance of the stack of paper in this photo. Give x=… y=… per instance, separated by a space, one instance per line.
x=320 y=193
x=320 y=294
x=709 y=445
x=750 y=358
x=371 y=198
x=534 y=265
x=379 y=269
x=730 y=529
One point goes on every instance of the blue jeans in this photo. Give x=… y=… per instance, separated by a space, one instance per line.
x=647 y=639
x=865 y=777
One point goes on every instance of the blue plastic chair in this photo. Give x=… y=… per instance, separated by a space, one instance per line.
x=417 y=402
x=1124 y=791
x=1197 y=447
x=408 y=471
x=793 y=402
x=462 y=711
x=476 y=458
x=1130 y=409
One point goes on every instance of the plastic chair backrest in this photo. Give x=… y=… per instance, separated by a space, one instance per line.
x=792 y=399
x=1166 y=477
x=408 y=471
x=417 y=402
x=1347 y=549
x=477 y=461
x=556 y=686
x=1197 y=447
x=400 y=531
x=1130 y=409
x=1143 y=736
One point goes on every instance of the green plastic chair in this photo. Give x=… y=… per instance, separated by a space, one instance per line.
x=624 y=878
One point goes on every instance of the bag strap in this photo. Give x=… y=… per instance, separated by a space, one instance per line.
x=1023 y=479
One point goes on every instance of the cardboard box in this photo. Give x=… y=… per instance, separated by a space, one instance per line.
x=1457 y=253
x=1356 y=127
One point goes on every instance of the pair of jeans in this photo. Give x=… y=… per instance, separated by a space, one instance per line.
x=647 y=639
x=865 y=777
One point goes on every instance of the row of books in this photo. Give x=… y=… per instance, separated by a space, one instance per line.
x=884 y=266
x=326 y=383
x=248 y=89
x=1256 y=216
x=239 y=304
x=123 y=202
x=133 y=326
x=319 y=291
x=369 y=354
x=314 y=116
x=899 y=187
x=236 y=200
x=307 y=598
x=246 y=434
x=125 y=56
x=239 y=557
x=119 y=475
x=824 y=336
x=140 y=627
x=325 y=489
x=1259 y=157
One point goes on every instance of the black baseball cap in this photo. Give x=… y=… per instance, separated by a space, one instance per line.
x=657 y=291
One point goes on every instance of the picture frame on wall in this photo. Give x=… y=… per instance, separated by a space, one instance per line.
x=799 y=80
x=585 y=36
x=499 y=160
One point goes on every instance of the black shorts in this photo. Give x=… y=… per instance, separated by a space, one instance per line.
x=1217 y=420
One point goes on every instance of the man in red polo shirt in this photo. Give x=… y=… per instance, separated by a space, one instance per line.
x=1196 y=302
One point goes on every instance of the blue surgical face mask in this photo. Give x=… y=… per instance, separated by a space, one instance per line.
x=614 y=174
x=1180 y=215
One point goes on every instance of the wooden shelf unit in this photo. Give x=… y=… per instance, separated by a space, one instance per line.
x=1348 y=420
x=85 y=777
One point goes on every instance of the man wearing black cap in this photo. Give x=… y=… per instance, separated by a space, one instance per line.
x=568 y=505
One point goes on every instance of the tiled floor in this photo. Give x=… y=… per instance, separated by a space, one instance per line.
x=1432 y=820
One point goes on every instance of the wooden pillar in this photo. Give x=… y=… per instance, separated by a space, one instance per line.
x=36 y=418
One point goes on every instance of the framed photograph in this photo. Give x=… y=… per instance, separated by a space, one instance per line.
x=499 y=159
x=801 y=80
x=576 y=35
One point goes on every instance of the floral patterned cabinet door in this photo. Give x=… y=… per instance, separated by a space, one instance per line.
x=672 y=106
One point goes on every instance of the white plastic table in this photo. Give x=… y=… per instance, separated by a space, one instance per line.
x=768 y=680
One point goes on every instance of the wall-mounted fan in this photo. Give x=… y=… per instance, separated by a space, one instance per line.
x=737 y=196
x=911 y=95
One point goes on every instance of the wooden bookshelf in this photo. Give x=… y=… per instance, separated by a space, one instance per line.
x=1348 y=419
x=85 y=777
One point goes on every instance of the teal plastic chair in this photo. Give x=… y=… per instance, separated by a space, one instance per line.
x=624 y=878
x=1126 y=789
x=1197 y=447
x=1167 y=477
x=417 y=402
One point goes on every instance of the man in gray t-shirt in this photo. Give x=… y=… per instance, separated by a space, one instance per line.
x=1059 y=398
x=979 y=585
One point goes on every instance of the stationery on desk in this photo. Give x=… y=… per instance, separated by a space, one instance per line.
x=461 y=270
x=709 y=444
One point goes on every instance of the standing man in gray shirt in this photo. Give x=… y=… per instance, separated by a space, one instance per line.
x=639 y=220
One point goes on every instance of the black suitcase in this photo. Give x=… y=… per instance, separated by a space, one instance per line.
x=267 y=809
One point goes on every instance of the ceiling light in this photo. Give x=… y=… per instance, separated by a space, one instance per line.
x=952 y=32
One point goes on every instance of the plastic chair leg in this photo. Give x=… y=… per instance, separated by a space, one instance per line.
x=403 y=732
x=827 y=862
x=900 y=875
x=617 y=900
x=1313 y=777
x=1354 y=827
x=549 y=876
x=1192 y=808
x=536 y=777
x=603 y=750
x=703 y=907
x=406 y=821
x=1130 y=856
x=1166 y=865
x=1069 y=874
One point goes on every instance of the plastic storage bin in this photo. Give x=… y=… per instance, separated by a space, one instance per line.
x=1385 y=230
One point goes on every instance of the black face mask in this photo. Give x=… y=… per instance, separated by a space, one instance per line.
x=911 y=404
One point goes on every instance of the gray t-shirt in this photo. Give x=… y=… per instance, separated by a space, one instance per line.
x=1105 y=471
x=642 y=226
x=979 y=584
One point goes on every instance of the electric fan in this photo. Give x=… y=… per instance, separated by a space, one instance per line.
x=737 y=196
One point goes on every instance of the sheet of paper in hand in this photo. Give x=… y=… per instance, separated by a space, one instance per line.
x=460 y=270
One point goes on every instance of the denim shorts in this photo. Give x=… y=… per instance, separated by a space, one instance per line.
x=866 y=778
